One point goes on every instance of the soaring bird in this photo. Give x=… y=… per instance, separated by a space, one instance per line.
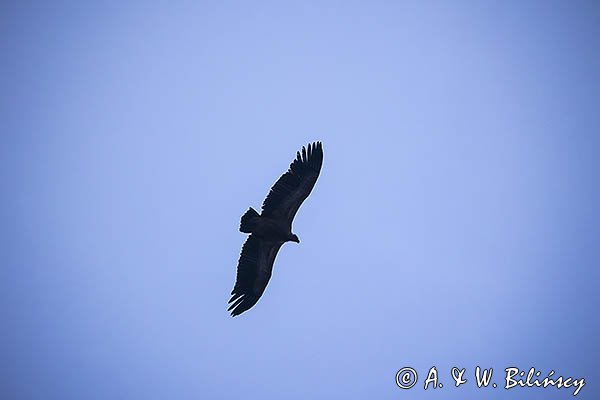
x=273 y=227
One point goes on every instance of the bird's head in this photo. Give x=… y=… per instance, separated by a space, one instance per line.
x=294 y=238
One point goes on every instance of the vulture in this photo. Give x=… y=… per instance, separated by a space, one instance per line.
x=270 y=229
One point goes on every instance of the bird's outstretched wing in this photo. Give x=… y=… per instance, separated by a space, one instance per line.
x=288 y=193
x=253 y=273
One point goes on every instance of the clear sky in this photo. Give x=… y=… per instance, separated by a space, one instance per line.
x=455 y=221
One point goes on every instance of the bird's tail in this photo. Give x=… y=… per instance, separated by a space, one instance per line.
x=248 y=220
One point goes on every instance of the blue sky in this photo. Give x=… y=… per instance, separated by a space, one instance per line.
x=455 y=221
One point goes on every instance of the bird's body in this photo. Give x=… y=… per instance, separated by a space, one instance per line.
x=273 y=227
